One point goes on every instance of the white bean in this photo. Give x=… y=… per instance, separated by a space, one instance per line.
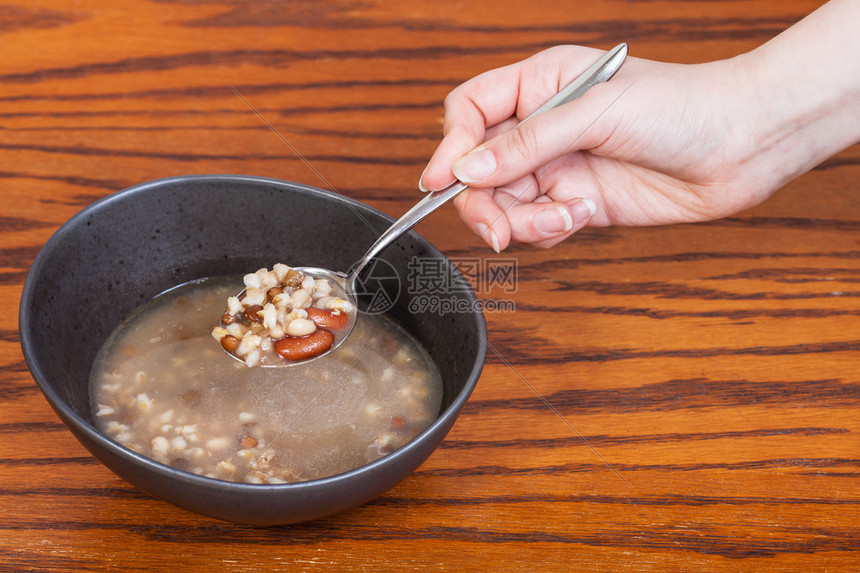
x=339 y=304
x=160 y=445
x=144 y=402
x=115 y=427
x=270 y=315
x=104 y=410
x=254 y=296
x=251 y=280
x=372 y=409
x=217 y=443
x=234 y=305
x=301 y=327
x=301 y=298
x=298 y=313
x=225 y=466
x=218 y=332
x=249 y=342
x=276 y=332
x=281 y=271
x=321 y=288
x=268 y=279
x=282 y=300
x=253 y=358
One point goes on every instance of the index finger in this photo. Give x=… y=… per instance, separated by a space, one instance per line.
x=496 y=96
x=470 y=109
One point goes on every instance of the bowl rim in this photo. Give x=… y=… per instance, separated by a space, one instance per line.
x=70 y=417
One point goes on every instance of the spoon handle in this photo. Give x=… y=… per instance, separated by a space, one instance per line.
x=599 y=72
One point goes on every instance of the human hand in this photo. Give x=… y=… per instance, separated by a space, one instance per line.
x=637 y=150
x=658 y=144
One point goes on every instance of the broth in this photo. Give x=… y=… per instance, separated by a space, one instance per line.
x=164 y=388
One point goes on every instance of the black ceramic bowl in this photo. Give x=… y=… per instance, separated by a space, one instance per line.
x=130 y=246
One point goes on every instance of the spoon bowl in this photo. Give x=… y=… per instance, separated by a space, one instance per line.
x=341 y=288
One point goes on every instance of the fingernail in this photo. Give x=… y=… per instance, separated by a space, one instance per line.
x=421 y=181
x=475 y=166
x=487 y=233
x=583 y=209
x=554 y=220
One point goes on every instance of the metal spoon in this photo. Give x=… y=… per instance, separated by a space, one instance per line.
x=602 y=70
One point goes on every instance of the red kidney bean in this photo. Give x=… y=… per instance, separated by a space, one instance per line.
x=331 y=319
x=304 y=347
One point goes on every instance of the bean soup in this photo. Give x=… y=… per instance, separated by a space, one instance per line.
x=162 y=387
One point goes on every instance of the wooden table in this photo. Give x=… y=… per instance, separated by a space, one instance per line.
x=683 y=398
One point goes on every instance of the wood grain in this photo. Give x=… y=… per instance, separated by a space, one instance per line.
x=680 y=398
